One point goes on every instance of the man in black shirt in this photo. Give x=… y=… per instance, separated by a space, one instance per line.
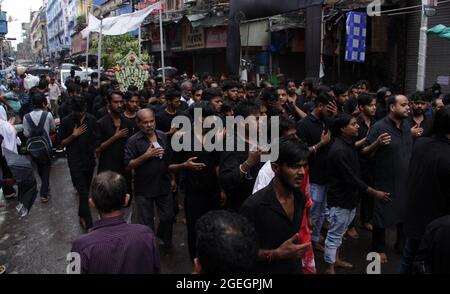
x=390 y=143
x=201 y=184
x=367 y=106
x=314 y=131
x=112 y=133
x=148 y=153
x=164 y=117
x=421 y=124
x=230 y=92
x=344 y=186
x=239 y=169
x=131 y=107
x=428 y=185
x=77 y=134
x=277 y=211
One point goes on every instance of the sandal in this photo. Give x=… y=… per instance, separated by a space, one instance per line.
x=45 y=199
x=2 y=269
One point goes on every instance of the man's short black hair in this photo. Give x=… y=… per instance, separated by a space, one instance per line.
x=73 y=88
x=118 y=93
x=250 y=86
x=381 y=94
x=339 y=89
x=365 y=99
x=128 y=95
x=441 y=125
x=210 y=93
x=269 y=94
x=246 y=109
x=391 y=100
x=323 y=98
x=133 y=88
x=37 y=99
x=43 y=84
x=340 y=121
x=418 y=96
x=79 y=104
x=108 y=191
x=292 y=150
x=226 y=243
x=229 y=84
x=172 y=94
x=286 y=124
x=308 y=85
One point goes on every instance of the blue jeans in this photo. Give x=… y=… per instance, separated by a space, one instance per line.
x=319 y=198
x=340 y=219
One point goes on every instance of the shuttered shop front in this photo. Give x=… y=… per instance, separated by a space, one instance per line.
x=438 y=49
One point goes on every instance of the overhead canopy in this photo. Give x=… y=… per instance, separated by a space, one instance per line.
x=119 y=25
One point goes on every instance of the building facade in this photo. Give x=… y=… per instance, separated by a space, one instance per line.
x=38 y=35
x=59 y=41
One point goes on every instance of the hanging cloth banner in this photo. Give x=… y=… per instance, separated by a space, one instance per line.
x=441 y=30
x=119 y=25
x=356 y=37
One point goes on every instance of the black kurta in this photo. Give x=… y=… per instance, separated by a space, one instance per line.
x=429 y=184
x=390 y=170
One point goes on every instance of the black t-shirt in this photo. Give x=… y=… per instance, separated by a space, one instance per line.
x=112 y=158
x=309 y=130
x=205 y=180
x=81 y=152
x=164 y=120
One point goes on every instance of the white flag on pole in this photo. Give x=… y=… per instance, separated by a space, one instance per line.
x=119 y=25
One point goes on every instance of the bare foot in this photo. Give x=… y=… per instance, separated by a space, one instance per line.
x=368 y=227
x=383 y=258
x=343 y=264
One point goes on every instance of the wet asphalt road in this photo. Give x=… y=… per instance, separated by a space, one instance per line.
x=40 y=242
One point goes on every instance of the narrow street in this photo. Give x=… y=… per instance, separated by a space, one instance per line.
x=40 y=242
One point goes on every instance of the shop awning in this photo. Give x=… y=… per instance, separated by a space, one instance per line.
x=292 y=20
x=209 y=21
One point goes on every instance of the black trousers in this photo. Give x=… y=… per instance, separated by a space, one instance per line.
x=379 y=238
x=44 y=174
x=82 y=182
x=6 y=174
x=196 y=204
x=145 y=209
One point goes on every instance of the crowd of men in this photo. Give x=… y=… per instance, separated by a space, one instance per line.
x=343 y=152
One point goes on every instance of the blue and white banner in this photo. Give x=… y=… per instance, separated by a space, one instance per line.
x=356 y=37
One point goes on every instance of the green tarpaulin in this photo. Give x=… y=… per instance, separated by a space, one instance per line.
x=441 y=31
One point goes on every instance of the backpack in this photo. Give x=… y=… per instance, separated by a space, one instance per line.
x=38 y=145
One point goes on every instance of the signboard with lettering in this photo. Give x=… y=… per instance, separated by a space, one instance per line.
x=132 y=72
x=216 y=37
x=146 y=3
x=193 y=38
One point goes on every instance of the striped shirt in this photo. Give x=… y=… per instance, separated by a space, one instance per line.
x=115 y=247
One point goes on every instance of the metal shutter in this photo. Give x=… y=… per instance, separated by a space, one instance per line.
x=438 y=49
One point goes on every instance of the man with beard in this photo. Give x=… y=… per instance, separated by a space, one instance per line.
x=391 y=155
x=367 y=106
x=314 y=131
x=131 y=108
x=277 y=211
x=344 y=186
x=250 y=91
x=421 y=124
x=77 y=134
x=230 y=92
x=214 y=97
x=112 y=132
x=292 y=99
x=201 y=184
x=148 y=153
